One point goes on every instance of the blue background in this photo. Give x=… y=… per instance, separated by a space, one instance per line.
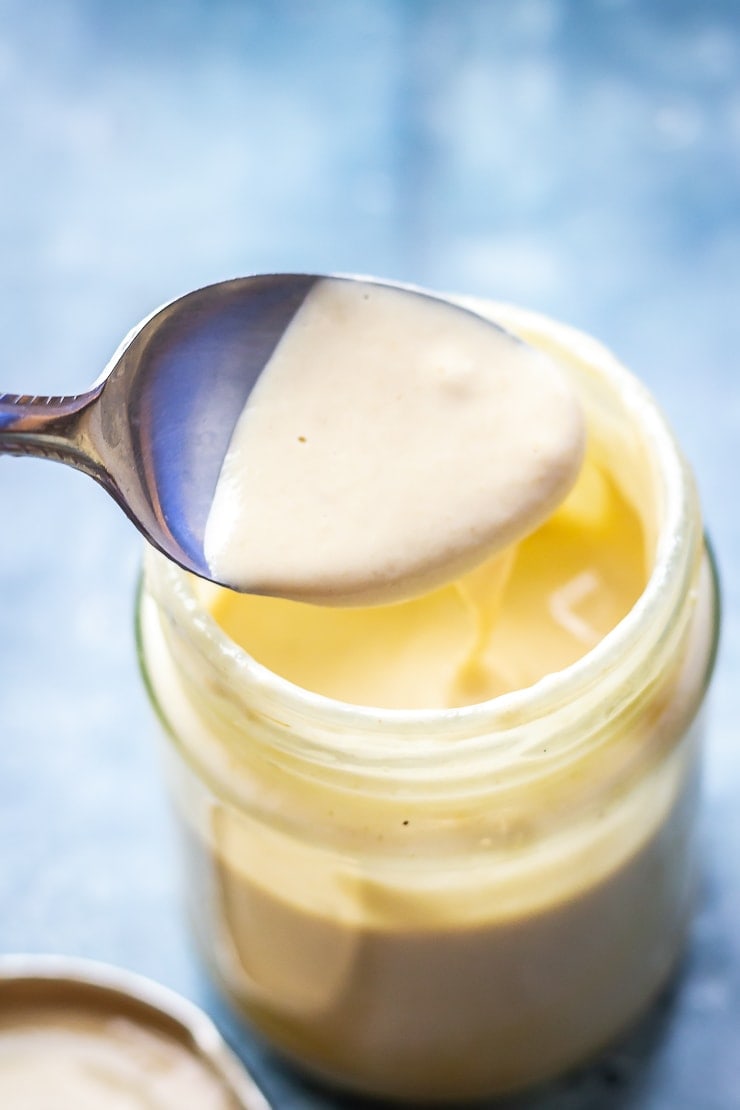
x=582 y=158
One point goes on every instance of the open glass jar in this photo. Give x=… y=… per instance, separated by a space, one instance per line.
x=442 y=904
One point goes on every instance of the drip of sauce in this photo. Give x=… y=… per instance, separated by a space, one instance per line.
x=482 y=593
x=392 y=443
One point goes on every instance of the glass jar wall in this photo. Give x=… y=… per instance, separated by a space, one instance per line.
x=436 y=904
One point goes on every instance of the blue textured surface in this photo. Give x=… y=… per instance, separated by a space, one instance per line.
x=580 y=158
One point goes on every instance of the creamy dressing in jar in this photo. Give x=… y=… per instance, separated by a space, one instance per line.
x=446 y=848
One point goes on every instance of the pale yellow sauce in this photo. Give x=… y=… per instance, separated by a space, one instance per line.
x=501 y=627
x=455 y=945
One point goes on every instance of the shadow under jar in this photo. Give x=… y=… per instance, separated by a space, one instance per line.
x=437 y=904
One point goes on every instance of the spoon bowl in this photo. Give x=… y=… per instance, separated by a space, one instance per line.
x=155 y=427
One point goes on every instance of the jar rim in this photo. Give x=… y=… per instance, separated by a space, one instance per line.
x=673 y=570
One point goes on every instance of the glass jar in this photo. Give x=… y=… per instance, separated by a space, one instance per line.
x=428 y=905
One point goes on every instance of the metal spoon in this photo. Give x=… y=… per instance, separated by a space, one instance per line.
x=155 y=427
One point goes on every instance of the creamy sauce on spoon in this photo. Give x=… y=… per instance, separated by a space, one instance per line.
x=392 y=443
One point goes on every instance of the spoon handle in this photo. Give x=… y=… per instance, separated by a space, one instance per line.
x=48 y=428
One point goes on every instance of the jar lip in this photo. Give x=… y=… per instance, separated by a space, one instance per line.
x=672 y=570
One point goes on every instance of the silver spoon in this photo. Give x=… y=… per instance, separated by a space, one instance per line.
x=155 y=427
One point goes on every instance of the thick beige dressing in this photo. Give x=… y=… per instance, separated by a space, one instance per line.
x=392 y=443
x=60 y=1059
